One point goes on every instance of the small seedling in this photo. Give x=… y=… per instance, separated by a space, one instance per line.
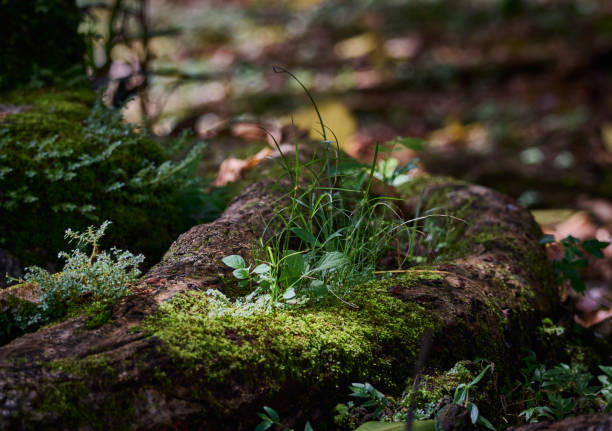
x=373 y=398
x=462 y=397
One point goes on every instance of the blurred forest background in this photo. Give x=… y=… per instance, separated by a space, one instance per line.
x=511 y=94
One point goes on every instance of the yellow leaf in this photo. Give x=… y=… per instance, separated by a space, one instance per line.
x=336 y=117
x=606 y=136
x=356 y=46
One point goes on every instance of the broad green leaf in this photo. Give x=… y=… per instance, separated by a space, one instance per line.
x=263 y=426
x=428 y=425
x=606 y=369
x=317 y=287
x=305 y=236
x=485 y=423
x=241 y=273
x=293 y=267
x=272 y=413
x=473 y=409
x=262 y=268
x=460 y=394
x=308 y=427
x=289 y=293
x=234 y=261
x=330 y=260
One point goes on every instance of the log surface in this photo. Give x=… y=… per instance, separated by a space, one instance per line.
x=495 y=285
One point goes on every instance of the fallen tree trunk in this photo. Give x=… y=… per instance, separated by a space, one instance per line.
x=166 y=361
x=595 y=422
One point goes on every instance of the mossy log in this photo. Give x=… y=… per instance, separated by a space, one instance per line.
x=593 y=422
x=164 y=362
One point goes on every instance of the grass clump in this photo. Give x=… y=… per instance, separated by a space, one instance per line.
x=333 y=232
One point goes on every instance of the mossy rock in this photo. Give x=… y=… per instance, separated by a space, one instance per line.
x=67 y=161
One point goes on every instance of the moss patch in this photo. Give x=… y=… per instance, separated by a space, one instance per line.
x=71 y=162
x=332 y=341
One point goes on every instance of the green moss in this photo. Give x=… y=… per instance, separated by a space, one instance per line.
x=229 y=286
x=91 y=365
x=436 y=386
x=415 y=187
x=65 y=402
x=329 y=341
x=97 y=314
x=70 y=162
x=67 y=399
x=15 y=314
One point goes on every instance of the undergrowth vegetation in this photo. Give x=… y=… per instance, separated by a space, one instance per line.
x=334 y=230
x=65 y=164
x=88 y=277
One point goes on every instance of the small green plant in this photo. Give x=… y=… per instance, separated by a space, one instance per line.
x=260 y=274
x=333 y=232
x=371 y=396
x=462 y=397
x=269 y=418
x=71 y=161
x=563 y=390
x=568 y=267
x=372 y=406
x=86 y=277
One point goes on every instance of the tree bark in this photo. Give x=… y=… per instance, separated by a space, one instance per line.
x=596 y=422
x=127 y=374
